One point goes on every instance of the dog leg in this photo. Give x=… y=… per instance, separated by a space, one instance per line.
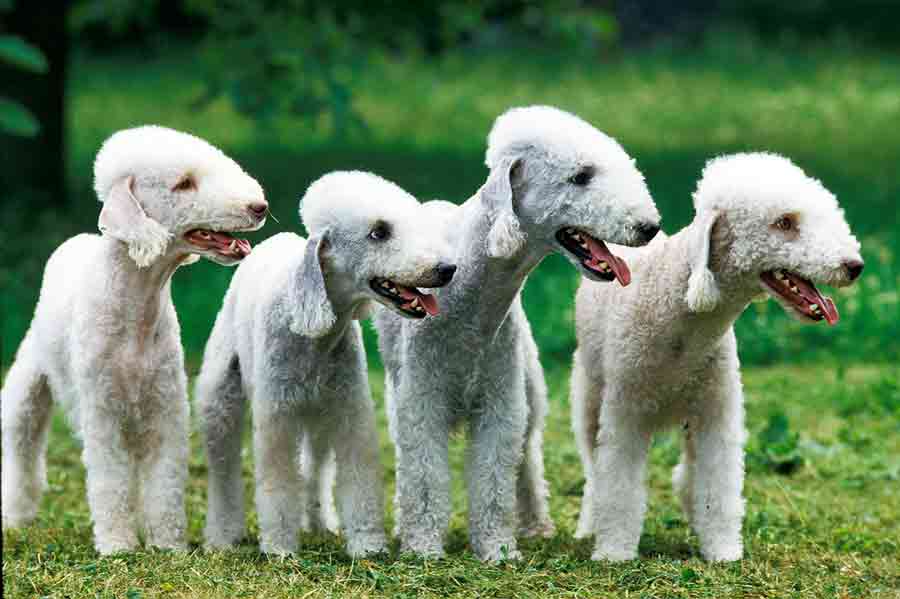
x=532 y=490
x=422 y=507
x=359 y=488
x=318 y=472
x=26 y=407
x=163 y=472
x=109 y=480
x=585 y=402
x=620 y=495
x=278 y=485
x=497 y=436
x=718 y=506
x=221 y=404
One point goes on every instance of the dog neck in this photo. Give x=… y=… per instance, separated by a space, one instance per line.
x=485 y=287
x=345 y=310
x=735 y=292
x=142 y=293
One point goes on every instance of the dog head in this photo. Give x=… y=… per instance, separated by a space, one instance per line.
x=369 y=241
x=559 y=184
x=167 y=192
x=765 y=223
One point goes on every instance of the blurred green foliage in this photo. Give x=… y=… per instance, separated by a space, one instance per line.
x=302 y=58
x=16 y=119
x=832 y=108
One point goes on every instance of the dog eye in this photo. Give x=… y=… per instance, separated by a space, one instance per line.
x=380 y=232
x=186 y=183
x=784 y=223
x=582 y=177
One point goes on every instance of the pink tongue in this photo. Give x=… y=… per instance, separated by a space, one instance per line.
x=224 y=240
x=812 y=295
x=830 y=311
x=428 y=301
x=599 y=252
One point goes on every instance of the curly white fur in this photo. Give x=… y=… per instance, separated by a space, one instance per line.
x=662 y=352
x=286 y=340
x=476 y=363
x=105 y=341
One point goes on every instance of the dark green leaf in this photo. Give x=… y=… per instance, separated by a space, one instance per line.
x=17 y=120
x=16 y=51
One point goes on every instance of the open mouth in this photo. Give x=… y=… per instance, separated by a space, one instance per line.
x=594 y=256
x=219 y=242
x=409 y=300
x=801 y=295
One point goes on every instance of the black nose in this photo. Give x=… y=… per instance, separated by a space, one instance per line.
x=854 y=268
x=445 y=271
x=647 y=231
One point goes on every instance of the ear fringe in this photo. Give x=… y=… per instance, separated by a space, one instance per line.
x=505 y=238
x=148 y=243
x=313 y=315
x=702 y=293
x=123 y=218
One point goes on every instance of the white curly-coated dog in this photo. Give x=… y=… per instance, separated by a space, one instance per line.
x=556 y=184
x=287 y=340
x=662 y=352
x=105 y=342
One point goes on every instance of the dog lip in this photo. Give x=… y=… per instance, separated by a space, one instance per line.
x=409 y=300
x=595 y=254
x=221 y=243
x=800 y=294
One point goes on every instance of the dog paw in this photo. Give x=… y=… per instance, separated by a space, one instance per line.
x=613 y=554
x=113 y=546
x=423 y=549
x=362 y=545
x=723 y=553
x=277 y=549
x=544 y=529
x=169 y=545
x=497 y=552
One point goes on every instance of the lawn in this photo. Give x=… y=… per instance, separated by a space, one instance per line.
x=823 y=519
x=823 y=511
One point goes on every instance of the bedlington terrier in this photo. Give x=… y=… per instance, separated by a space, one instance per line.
x=286 y=340
x=556 y=184
x=105 y=341
x=663 y=353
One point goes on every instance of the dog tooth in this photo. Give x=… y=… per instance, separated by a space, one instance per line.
x=385 y=285
x=779 y=275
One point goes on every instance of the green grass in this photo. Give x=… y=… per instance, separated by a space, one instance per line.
x=823 y=519
x=834 y=109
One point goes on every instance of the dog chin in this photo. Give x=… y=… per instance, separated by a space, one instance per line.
x=221 y=260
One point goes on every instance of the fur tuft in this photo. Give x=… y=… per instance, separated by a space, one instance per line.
x=702 y=292
x=505 y=238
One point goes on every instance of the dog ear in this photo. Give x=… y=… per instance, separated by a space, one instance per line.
x=313 y=314
x=505 y=237
x=123 y=218
x=702 y=291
